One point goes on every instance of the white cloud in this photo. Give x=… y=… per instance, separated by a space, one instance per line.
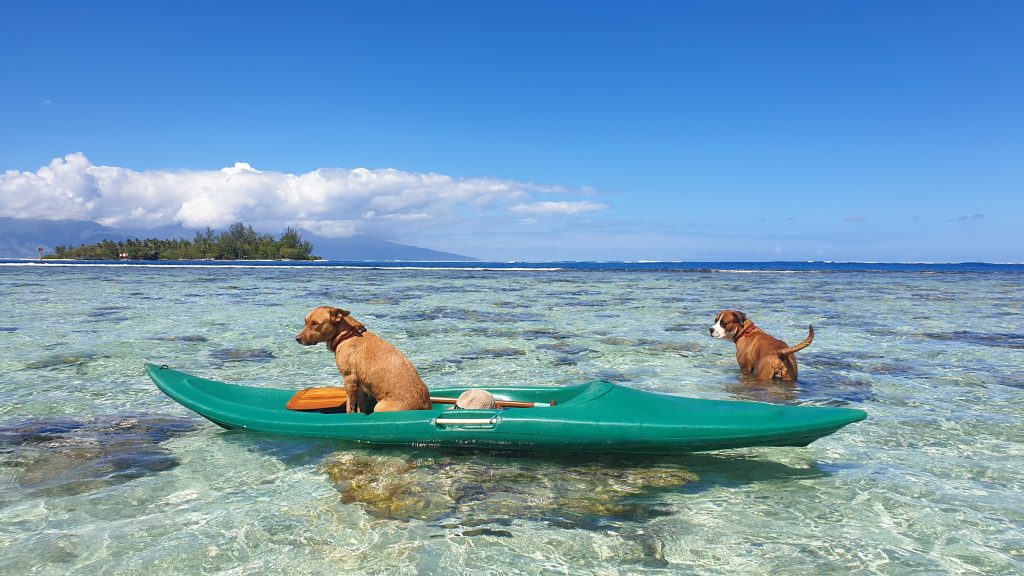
x=329 y=201
x=555 y=208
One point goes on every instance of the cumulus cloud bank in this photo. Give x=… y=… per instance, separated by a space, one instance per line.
x=333 y=202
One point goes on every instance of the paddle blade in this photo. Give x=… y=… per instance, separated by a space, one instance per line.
x=318 y=399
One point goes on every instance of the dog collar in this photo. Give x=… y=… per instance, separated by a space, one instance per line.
x=750 y=328
x=339 y=339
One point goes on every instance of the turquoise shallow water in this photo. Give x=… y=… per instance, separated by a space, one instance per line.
x=101 y=474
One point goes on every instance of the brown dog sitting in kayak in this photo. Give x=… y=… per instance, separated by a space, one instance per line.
x=756 y=352
x=369 y=365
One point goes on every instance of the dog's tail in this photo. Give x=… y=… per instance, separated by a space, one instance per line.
x=807 y=342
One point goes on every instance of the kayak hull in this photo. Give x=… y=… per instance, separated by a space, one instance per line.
x=596 y=416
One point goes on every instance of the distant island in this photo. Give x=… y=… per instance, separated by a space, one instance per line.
x=239 y=242
x=23 y=237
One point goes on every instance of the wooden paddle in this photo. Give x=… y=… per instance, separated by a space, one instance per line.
x=327 y=397
x=499 y=403
x=318 y=398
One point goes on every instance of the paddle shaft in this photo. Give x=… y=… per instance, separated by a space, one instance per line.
x=499 y=403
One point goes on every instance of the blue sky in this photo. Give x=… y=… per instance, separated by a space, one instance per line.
x=881 y=131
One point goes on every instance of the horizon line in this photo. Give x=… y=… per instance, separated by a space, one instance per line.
x=504 y=262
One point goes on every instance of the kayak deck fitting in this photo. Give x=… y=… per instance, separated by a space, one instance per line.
x=596 y=416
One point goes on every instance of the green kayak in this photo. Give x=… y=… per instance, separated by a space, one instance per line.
x=597 y=416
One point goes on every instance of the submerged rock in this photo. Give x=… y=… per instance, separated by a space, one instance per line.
x=564 y=348
x=492 y=331
x=187 y=338
x=615 y=376
x=61 y=361
x=454 y=314
x=997 y=340
x=390 y=486
x=680 y=348
x=107 y=314
x=55 y=457
x=242 y=355
x=494 y=352
x=538 y=333
x=489 y=490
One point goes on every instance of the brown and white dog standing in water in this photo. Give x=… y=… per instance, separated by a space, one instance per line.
x=368 y=364
x=757 y=352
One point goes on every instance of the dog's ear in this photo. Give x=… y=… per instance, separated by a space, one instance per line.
x=741 y=317
x=337 y=314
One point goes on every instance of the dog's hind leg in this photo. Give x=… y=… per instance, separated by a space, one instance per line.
x=765 y=370
x=390 y=406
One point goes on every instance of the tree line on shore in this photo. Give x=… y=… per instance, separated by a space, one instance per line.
x=239 y=242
